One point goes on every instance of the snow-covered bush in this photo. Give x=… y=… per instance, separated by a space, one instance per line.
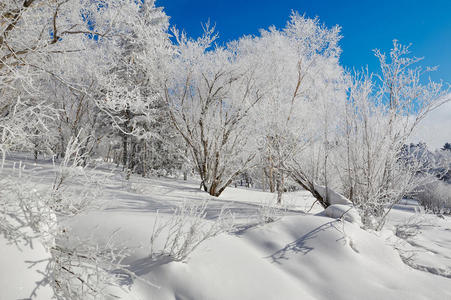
x=80 y=268
x=84 y=269
x=32 y=206
x=175 y=237
x=410 y=227
x=68 y=198
x=270 y=211
x=267 y=213
x=436 y=197
x=25 y=209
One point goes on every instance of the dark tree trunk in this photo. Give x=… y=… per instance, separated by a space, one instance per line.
x=132 y=159
x=309 y=186
x=124 y=152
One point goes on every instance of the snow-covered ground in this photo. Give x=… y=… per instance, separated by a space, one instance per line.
x=300 y=255
x=423 y=240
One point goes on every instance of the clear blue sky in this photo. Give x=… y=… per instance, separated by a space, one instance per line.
x=366 y=24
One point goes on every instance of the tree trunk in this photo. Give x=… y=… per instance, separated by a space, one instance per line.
x=213 y=187
x=280 y=187
x=270 y=176
x=144 y=161
x=124 y=152
x=132 y=158
x=309 y=186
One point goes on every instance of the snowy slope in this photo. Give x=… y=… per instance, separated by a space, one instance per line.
x=296 y=257
x=299 y=256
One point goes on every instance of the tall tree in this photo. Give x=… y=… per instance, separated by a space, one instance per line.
x=380 y=117
x=210 y=95
x=299 y=75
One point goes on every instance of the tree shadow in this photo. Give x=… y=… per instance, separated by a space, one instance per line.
x=139 y=267
x=45 y=272
x=299 y=245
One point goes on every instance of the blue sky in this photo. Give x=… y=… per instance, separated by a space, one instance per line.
x=366 y=24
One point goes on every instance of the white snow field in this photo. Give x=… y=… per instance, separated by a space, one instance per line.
x=300 y=255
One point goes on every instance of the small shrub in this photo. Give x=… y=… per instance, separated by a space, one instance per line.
x=185 y=230
x=436 y=197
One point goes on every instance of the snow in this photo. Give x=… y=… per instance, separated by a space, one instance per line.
x=343 y=262
x=423 y=240
x=332 y=196
x=347 y=212
x=298 y=256
x=21 y=268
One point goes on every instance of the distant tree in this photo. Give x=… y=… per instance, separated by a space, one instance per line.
x=447 y=146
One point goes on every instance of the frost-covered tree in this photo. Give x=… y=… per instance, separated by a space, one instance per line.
x=37 y=36
x=133 y=88
x=380 y=117
x=298 y=73
x=52 y=56
x=210 y=94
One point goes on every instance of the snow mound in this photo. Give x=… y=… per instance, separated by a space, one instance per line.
x=296 y=257
x=332 y=196
x=348 y=213
x=339 y=260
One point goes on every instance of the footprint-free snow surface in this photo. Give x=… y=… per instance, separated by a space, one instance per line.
x=299 y=255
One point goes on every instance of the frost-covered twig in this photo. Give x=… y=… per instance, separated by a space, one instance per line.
x=185 y=230
x=30 y=208
x=83 y=269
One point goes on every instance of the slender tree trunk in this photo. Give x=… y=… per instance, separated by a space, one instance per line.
x=124 y=152
x=132 y=155
x=62 y=154
x=144 y=160
x=271 y=179
x=280 y=187
x=117 y=157
x=107 y=159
